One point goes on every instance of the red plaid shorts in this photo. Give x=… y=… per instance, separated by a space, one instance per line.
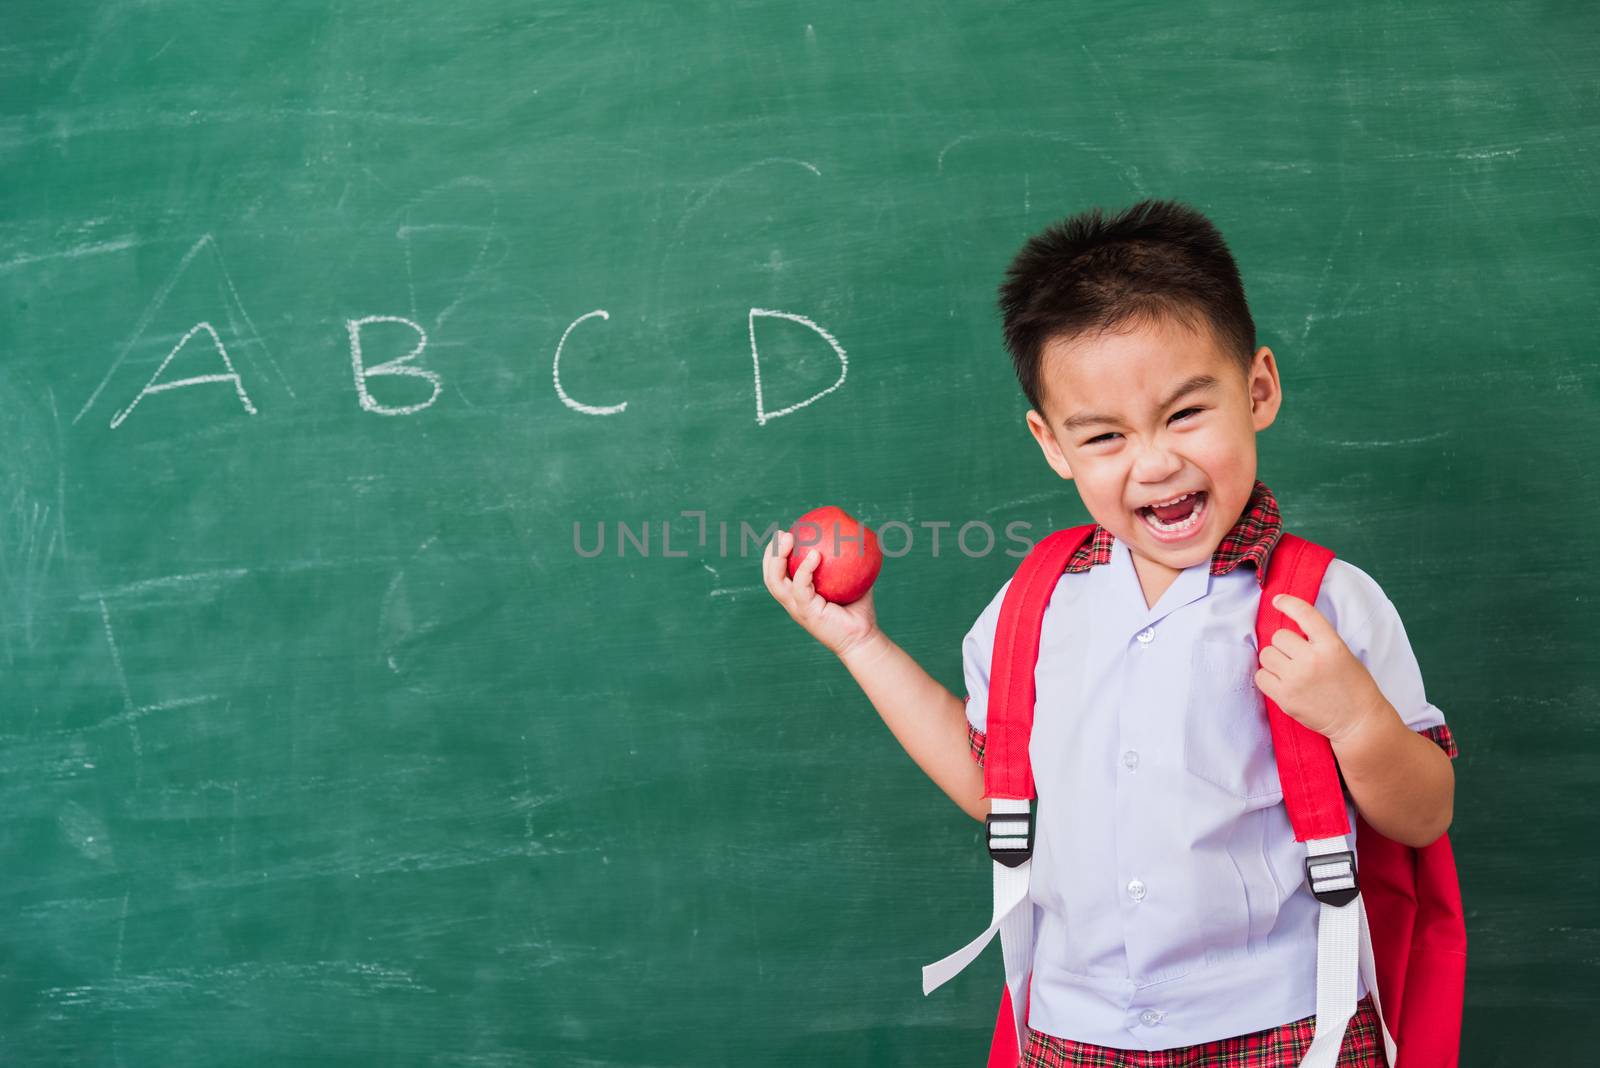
x=1276 y=1047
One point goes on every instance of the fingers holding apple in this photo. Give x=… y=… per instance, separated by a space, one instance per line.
x=848 y=558
x=799 y=578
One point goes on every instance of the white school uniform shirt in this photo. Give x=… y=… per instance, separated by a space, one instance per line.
x=1169 y=894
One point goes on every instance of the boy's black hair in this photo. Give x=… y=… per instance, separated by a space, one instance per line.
x=1088 y=273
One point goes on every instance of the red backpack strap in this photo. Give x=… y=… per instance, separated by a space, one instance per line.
x=1006 y=771
x=1316 y=808
x=1413 y=958
x=1306 y=767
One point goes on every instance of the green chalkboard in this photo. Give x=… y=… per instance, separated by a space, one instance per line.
x=327 y=738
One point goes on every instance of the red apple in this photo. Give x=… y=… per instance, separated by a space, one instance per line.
x=850 y=554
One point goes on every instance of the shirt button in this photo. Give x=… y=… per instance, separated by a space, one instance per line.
x=1150 y=1017
x=1136 y=890
x=1130 y=759
x=1146 y=635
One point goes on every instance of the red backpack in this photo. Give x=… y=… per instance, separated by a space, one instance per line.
x=1413 y=956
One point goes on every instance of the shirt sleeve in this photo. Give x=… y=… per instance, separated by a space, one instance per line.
x=975 y=742
x=1379 y=641
x=977 y=648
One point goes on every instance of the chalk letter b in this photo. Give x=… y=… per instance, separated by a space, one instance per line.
x=400 y=366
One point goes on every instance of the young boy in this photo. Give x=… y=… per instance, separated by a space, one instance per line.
x=1170 y=901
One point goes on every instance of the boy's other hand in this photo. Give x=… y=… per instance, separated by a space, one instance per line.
x=839 y=627
x=1316 y=679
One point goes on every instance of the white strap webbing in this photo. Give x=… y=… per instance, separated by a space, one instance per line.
x=1016 y=949
x=1369 y=975
x=1343 y=945
x=1013 y=918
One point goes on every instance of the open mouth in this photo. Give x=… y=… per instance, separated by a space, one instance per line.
x=1176 y=519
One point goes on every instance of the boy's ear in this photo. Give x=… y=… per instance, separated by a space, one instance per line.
x=1266 y=391
x=1047 y=443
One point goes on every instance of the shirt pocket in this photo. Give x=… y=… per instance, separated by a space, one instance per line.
x=1226 y=740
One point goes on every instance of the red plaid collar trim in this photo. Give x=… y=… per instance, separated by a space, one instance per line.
x=1251 y=541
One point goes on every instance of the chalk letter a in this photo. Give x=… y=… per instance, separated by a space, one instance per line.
x=153 y=386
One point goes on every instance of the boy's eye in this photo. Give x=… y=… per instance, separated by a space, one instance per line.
x=1103 y=437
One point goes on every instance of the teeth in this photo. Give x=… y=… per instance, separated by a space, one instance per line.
x=1175 y=500
x=1179 y=527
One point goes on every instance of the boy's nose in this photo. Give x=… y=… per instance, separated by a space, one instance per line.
x=1156 y=464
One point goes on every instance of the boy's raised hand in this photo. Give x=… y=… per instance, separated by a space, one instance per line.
x=836 y=626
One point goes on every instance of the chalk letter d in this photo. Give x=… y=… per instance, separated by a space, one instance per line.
x=762 y=415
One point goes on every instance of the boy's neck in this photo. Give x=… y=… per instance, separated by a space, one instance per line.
x=1155 y=578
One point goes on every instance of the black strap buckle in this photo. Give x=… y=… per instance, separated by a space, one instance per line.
x=1010 y=836
x=1333 y=877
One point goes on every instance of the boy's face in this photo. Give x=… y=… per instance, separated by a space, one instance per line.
x=1152 y=438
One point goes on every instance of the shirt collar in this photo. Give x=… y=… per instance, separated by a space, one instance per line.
x=1250 y=541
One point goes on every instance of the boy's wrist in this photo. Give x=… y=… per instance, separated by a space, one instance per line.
x=1374 y=735
x=1376 y=715
x=864 y=650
